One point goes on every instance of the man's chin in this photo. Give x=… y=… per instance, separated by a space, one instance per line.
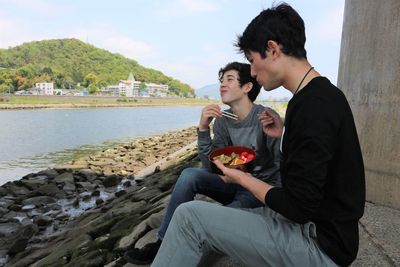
x=269 y=88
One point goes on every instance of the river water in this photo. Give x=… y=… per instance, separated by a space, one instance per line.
x=32 y=140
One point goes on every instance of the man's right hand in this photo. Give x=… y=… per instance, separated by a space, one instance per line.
x=207 y=114
x=271 y=122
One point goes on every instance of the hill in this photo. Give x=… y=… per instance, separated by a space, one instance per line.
x=209 y=91
x=212 y=91
x=71 y=63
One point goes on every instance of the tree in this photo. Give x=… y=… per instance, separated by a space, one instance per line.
x=91 y=78
x=93 y=89
x=79 y=63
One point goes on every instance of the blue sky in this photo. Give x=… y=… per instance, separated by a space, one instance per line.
x=185 y=39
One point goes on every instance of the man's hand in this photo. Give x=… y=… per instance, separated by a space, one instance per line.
x=255 y=186
x=271 y=122
x=207 y=114
x=231 y=175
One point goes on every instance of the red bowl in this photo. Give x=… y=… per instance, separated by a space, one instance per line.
x=228 y=150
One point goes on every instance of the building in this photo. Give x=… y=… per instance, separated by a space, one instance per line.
x=45 y=88
x=159 y=90
x=111 y=90
x=131 y=88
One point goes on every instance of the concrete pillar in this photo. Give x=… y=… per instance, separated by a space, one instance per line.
x=369 y=75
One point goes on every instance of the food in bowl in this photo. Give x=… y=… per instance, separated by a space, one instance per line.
x=235 y=159
x=238 y=157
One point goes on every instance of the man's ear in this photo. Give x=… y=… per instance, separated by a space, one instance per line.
x=247 y=87
x=273 y=48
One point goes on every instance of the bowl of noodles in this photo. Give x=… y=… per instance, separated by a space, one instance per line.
x=237 y=157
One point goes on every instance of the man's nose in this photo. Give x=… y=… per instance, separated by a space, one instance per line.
x=252 y=72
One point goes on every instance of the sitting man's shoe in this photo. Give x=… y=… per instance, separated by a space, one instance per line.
x=142 y=256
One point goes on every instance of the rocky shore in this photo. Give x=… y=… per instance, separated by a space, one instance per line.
x=89 y=212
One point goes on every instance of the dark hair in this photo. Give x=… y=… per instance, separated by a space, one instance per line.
x=244 y=77
x=281 y=24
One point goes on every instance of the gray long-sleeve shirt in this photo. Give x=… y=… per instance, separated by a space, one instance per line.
x=249 y=133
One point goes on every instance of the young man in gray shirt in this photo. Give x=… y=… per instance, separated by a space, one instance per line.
x=238 y=90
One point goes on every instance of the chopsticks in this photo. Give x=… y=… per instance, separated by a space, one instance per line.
x=230 y=115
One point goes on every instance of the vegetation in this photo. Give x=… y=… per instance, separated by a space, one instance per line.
x=23 y=102
x=71 y=63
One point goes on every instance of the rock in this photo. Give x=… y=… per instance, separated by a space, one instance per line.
x=127 y=184
x=17 y=241
x=4 y=210
x=50 y=190
x=17 y=190
x=7 y=229
x=64 y=178
x=93 y=238
x=111 y=180
x=14 y=207
x=42 y=220
x=14 y=215
x=28 y=207
x=86 y=196
x=149 y=237
x=39 y=201
x=33 y=183
x=49 y=173
x=130 y=239
x=88 y=174
x=96 y=193
x=3 y=192
x=69 y=187
x=120 y=193
x=5 y=203
x=87 y=186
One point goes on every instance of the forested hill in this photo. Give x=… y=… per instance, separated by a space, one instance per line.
x=70 y=63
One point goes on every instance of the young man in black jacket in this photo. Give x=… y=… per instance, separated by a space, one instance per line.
x=312 y=220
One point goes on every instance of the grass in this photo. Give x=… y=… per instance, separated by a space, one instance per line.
x=76 y=101
x=26 y=102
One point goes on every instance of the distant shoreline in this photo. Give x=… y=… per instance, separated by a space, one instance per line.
x=65 y=102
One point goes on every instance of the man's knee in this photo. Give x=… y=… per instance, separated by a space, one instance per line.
x=188 y=209
x=188 y=177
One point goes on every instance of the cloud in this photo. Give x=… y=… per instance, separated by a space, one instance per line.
x=128 y=47
x=198 y=69
x=12 y=33
x=106 y=37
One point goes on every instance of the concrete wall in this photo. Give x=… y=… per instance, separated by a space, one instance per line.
x=369 y=75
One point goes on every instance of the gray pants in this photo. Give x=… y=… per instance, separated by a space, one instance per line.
x=254 y=237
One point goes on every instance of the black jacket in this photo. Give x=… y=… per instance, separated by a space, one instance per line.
x=322 y=169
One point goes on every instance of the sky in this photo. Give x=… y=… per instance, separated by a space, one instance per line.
x=189 y=40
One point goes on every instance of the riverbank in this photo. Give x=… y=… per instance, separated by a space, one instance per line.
x=72 y=102
x=89 y=214
x=38 y=211
x=34 y=102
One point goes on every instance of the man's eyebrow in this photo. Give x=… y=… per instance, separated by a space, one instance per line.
x=230 y=76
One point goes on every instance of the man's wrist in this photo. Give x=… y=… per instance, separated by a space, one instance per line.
x=203 y=129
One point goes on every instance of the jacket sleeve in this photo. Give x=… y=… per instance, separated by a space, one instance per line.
x=308 y=147
x=205 y=145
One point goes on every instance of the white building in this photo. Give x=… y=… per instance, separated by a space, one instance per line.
x=45 y=88
x=159 y=90
x=111 y=90
x=129 y=87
